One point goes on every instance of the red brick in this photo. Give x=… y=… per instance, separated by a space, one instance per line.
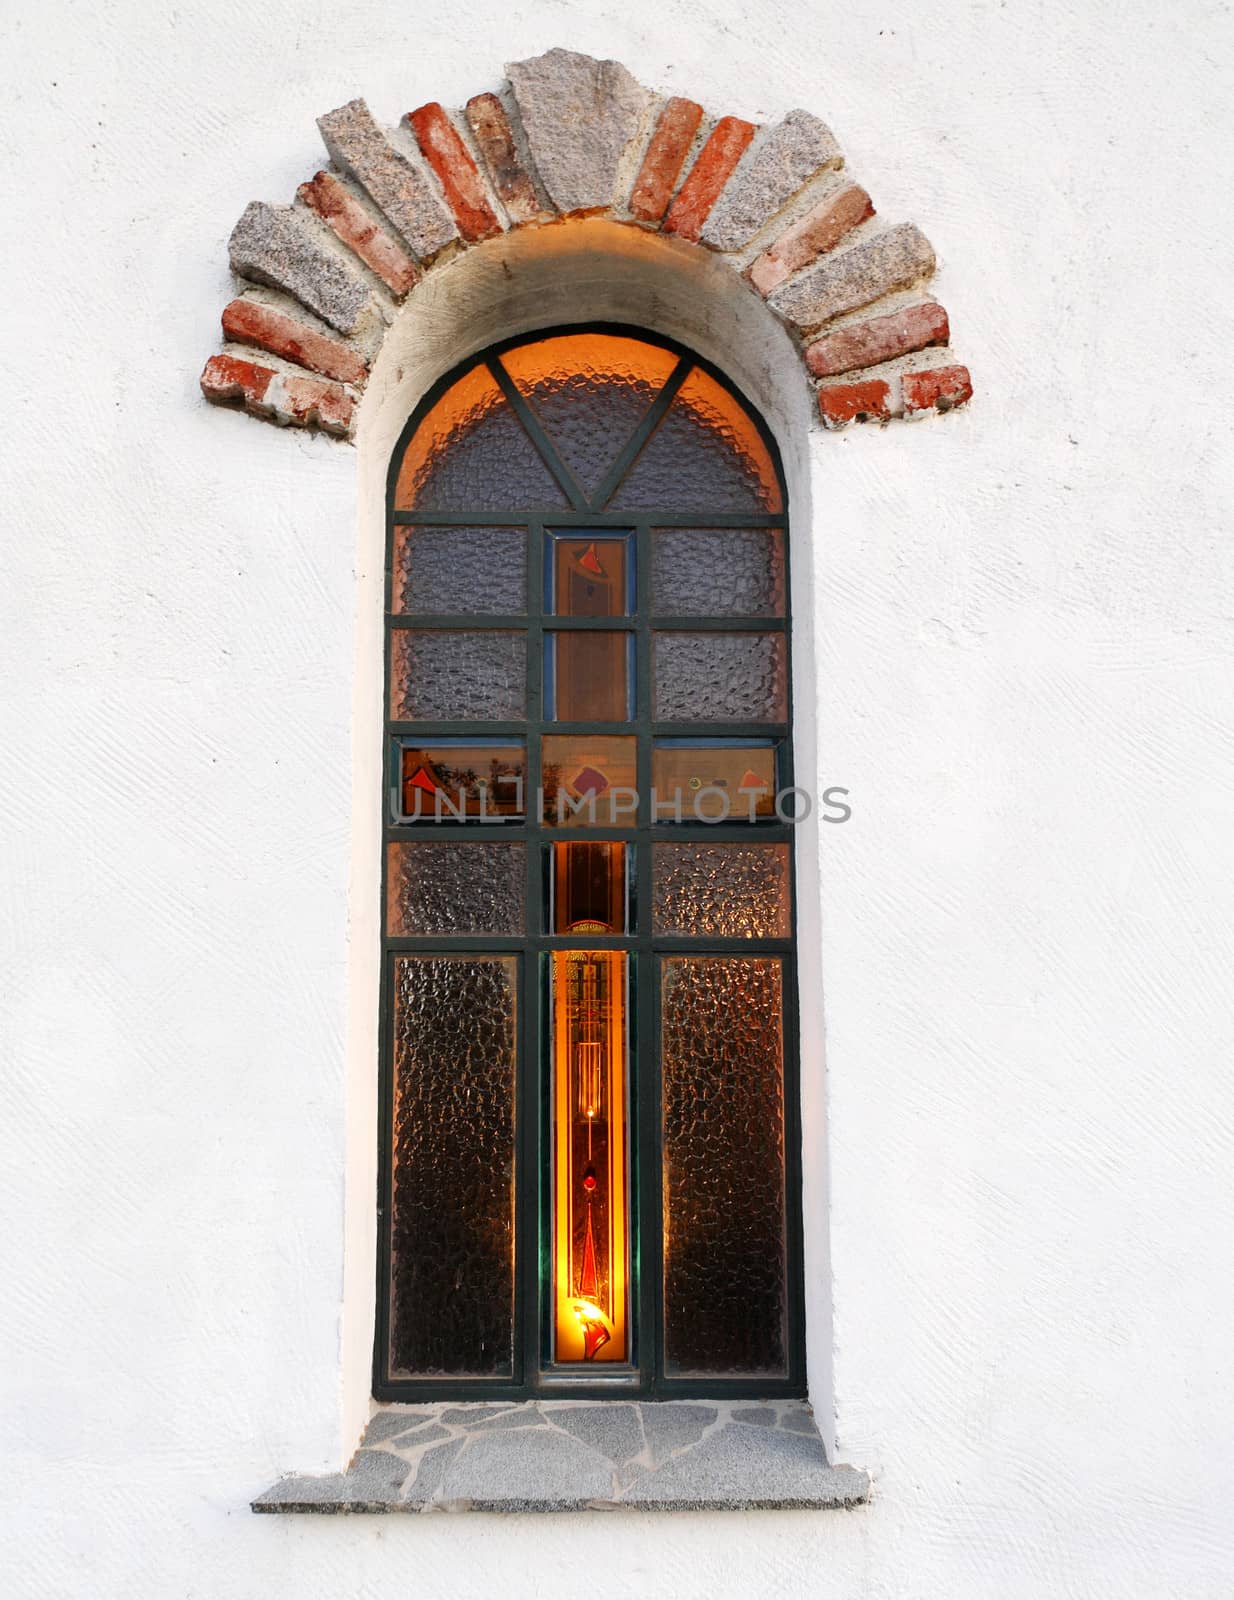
x=710 y=172
x=818 y=231
x=278 y=396
x=380 y=251
x=846 y=402
x=456 y=172
x=491 y=127
x=942 y=387
x=249 y=322
x=666 y=154
x=864 y=344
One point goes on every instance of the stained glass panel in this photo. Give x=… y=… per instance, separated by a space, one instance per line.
x=452 y=1217
x=589 y=780
x=589 y=676
x=450 y=676
x=454 y=780
x=697 y=780
x=725 y=1297
x=720 y=677
x=722 y=891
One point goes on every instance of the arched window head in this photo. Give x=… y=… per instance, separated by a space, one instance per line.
x=589 y=1130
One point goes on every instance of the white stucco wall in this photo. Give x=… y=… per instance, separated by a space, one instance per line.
x=1022 y=625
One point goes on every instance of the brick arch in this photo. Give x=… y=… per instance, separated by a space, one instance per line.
x=568 y=137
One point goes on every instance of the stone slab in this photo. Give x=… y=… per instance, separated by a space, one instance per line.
x=771 y=173
x=855 y=277
x=400 y=190
x=579 y=115
x=564 y=1455
x=278 y=245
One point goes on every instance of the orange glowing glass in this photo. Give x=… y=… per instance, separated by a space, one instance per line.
x=591 y=1213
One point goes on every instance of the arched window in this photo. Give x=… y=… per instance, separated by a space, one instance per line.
x=589 y=1167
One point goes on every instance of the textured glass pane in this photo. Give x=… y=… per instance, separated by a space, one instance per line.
x=589 y=780
x=720 y=677
x=453 y=675
x=698 y=781
x=459 y=570
x=471 y=453
x=589 y=676
x=706 y=455
x=722 y=891
x=587 y=887
x=590 y=391
x=452 y=1219
x=457 y=781
x=723 y=1126
x=717 y=572
x=454 y=888
x=588 y=575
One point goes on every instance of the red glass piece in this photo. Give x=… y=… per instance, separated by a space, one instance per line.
x=589 y=1280
x=589 y=781
x=751 y=780
x=421 y=779
x=590 y=561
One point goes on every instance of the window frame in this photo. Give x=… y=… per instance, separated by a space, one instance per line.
x=532 y=1315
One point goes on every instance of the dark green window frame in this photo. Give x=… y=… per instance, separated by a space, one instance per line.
x=532 y=1312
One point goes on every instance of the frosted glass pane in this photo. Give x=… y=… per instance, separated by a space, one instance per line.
x=725 y=891
x=706 y=455
x=723 y=1127
x=590 y=391
x=718 y=572
x=454 y=888
x=452 y=1217
x=457 y=570
x=471 y=453
x=456 y=675
x=720 y=677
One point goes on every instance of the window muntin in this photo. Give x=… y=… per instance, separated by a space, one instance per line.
x=588 y=887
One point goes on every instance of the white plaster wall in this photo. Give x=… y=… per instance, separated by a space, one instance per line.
x=1023 y=624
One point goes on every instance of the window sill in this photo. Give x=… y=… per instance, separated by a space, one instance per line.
x=578 y=1455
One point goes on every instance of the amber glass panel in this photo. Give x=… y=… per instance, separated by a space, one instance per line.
x=699 y=782
x=588 y=887
x=471 y=453
x=720 y=677
x=588 y=676
x=588 y=577
x=451 y=675
x=721 y=891
x=706 y=455
x=591 y=1210
x=589 y=780
x=457 y=782
x=590 y=391
x=482 y=570
x=452 y=1216
x=717 y=572
x=454 y=888
x=723 y=1131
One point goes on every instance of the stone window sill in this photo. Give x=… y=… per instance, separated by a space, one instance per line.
x=579 y=1455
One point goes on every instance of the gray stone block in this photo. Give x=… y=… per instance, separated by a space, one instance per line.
x=471 y=1413
x=579 y=115
x=525 y=1470
x=404 y=1442
x=430 y=1472
x=393 y=1420
x=612 y=1429
x=797 y=1418
x=671 y=1425
x=756 y=1416
x=401 y=190
x=739 y=1466
x=279 y=246
x=855 y=277
x=770 y=174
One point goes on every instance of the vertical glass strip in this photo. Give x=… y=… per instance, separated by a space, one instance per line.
x=591 y=1221
x=725 y=1293
x=452 y=1189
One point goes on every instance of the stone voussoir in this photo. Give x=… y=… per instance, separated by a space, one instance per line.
x=573 y=136
x=579 y=115
x=779 y=164
x=854 y=277
x=396 y=187
x=276 y=245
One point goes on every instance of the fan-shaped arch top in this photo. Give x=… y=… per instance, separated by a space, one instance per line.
x=570 y=137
